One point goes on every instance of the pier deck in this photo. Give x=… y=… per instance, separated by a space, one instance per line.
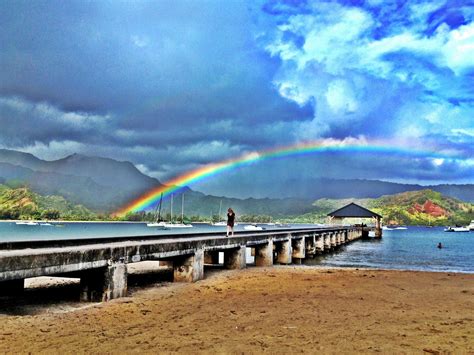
x=101 y=263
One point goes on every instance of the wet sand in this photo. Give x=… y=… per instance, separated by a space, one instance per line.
x=279 y=309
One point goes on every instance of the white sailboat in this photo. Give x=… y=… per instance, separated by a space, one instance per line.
x=157 y=223
x=27 y=223
x=457 y=229
x=178 y=225
x=221 y=222
x=471 y=225
x=253 y=227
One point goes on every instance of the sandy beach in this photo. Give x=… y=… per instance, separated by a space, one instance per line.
x=279 y=309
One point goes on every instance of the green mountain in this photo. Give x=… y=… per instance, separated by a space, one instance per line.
x=101 y=184
x=22 y=203
x=424 y=207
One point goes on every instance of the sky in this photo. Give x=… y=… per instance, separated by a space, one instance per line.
x=174 y=85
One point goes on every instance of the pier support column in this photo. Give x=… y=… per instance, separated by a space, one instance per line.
x=264 y=254
x=12 y=287
x=235 y=258
x=211 y=257
x=284 y=252
x=310 y=246
x=189 y=268
x=327 y=241
x=333 y=240
x=104 y=284
x=298 y=247
x=378 y=228
x=320 y=243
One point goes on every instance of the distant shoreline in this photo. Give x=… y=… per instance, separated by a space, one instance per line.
x=62 y=221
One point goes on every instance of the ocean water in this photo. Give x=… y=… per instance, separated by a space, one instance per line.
x=412 y=249
x=10 y=231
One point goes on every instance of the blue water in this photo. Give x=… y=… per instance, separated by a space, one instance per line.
x=412 y=249
x=10 y=231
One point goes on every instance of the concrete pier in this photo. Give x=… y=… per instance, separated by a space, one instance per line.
x=189 y=268
x=327 y=241
x=283 y=250
x=320 y=244
x=235 y=258
x=101 y=263
x=310 y=245
x=298 y=250
x=104 y=284
x=264 y=254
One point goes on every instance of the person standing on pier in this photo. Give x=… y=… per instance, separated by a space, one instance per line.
x=230 y=221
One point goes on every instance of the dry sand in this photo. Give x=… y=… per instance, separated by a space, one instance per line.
x=276 y=310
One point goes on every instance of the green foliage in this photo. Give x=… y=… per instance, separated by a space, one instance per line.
x=399 y=209
x=21 y=203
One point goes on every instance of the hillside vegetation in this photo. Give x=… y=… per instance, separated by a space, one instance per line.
x=21 y=203
x=425 y=207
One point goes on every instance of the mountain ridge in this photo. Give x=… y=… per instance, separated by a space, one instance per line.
x=105 y=185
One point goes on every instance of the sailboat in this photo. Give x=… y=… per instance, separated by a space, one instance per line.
x=157 y=222
x=177 y=225
x=221 y=222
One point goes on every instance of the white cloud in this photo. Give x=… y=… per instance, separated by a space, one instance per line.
x=382 y=72
x=340 y=97
x=43 y=111
x=140 y=41
x=459 y=49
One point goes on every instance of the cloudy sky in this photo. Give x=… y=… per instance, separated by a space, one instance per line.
x=173 y=85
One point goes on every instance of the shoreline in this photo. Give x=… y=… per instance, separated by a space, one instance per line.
x=61 y=221
x=197 y=222
x=280 y=309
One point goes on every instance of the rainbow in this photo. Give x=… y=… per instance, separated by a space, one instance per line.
x=178 y=183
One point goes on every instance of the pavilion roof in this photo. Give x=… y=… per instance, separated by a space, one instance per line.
x=353 y=210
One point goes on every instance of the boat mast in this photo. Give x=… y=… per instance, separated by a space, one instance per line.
x=159 y=210
x=171 y=209
x=182 y=208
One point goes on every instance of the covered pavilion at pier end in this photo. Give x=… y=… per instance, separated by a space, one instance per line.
x=353 y=210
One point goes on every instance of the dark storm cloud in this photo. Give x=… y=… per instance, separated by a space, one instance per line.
x=172 y=85
x=151 y=65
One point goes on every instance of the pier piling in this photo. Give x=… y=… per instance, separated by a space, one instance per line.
x=264 y=254
x=189 y=268
x=283 y=250
x=105 y=283
x=298 y=250
x=235 y=258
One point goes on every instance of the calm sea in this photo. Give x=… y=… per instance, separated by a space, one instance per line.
x=412 y=249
